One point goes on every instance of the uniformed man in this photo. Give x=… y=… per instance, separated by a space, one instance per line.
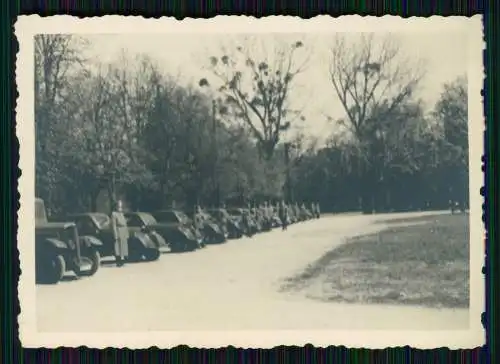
x=120 y=234
x=283 y=214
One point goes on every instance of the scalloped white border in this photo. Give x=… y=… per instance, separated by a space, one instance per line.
x=27 y=26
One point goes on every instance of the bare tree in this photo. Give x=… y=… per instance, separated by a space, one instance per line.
x=256 y=89
x=371 y=79
x=55 y=55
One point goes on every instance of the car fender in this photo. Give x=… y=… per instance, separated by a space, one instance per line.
x=215 y=228
x=186 y=234
x=90 y=241
x=158 y=239
x=143 y=239
x=54 y=243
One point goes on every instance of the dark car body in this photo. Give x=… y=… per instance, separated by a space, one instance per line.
x=263 y=215
x=229 y=224
x=210 y=229
x=305 y=213
x=59 y=248
x=246 y=220
x=98 y=225
x=177 y=229
x=275 y=218
x=292 y=214
x=145 y=222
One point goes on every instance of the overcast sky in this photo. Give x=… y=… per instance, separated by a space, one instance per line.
x=444 y=54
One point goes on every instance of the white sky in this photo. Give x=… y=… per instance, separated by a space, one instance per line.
x=444 y=53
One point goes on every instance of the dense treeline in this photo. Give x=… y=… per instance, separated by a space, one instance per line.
x=130 y=130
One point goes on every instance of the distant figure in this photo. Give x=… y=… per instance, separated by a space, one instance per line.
x=318 y=211
x=283 y=214
x=120 y=233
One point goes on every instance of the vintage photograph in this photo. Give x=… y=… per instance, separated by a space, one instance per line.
x=187 y=177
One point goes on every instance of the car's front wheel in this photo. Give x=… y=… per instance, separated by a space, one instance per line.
x=95 y=260
x=151 y=254
x=52 y=270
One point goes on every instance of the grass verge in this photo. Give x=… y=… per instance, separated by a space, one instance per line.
x=425 y=264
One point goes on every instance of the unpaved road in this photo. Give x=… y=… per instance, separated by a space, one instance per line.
x=233 y=286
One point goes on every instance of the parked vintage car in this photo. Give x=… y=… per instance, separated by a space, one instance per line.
x=230 y=224
x=178 y=230
x=59 y=248
x=305 y=214
x=146 y=223
x=247 y=222
x=275 y=219
x=263 y=216
x=98 y=225
x=211 y=231
x=292 y=215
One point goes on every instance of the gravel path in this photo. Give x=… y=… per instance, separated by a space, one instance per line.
x=230 y=286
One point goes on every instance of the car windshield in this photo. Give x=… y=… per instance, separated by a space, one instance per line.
x=166 y=216
x=101 y=220
x=148 y=219
x=182 y=217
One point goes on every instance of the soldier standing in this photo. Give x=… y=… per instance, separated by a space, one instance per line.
x=283 y=214
x=120 y=233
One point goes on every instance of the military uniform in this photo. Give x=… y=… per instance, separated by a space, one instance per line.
x=121 y=235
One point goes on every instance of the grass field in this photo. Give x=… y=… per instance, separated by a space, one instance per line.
x=423 y=264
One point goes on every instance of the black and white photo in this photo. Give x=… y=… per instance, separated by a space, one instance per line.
x=250 y=182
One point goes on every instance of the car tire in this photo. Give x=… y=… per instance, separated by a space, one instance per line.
x=151 y=254
x=134 y=256
x=54 y=270
x=95 y=260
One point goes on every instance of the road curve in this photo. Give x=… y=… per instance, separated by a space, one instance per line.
x=232 y=286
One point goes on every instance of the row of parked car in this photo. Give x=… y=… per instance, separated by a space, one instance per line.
x=77 y=242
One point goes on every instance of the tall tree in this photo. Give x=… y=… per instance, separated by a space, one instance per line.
x=256 y=89
x=371 y=80
x=57 y=58
x=451 y=112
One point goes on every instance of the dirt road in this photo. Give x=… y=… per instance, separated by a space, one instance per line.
x=229 y=286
